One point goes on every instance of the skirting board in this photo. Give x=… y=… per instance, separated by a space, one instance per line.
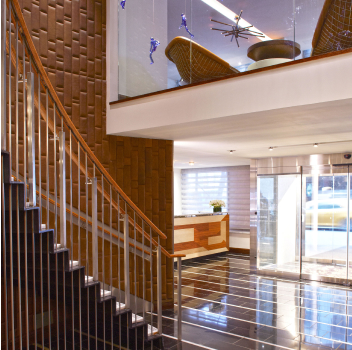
x=239 y=250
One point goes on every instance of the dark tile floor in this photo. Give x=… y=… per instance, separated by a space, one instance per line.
x=226 y=307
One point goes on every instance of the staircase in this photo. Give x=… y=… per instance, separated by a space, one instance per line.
x=81 y=263
x=92 y=315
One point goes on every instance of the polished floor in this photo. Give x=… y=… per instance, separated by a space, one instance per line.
x=226 y=307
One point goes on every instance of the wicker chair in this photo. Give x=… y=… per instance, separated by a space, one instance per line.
x=334 y=27
x=195 y=63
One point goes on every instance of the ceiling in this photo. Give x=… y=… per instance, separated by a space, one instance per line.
x=291 y=131
x=274 y=18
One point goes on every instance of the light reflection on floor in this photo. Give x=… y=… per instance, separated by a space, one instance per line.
x=224 y=307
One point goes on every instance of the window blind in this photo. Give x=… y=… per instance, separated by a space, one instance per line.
x=230 y=184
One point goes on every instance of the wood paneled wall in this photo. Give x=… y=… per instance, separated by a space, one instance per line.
x=70 y=37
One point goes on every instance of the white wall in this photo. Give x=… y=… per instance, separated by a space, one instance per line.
x=177 y=192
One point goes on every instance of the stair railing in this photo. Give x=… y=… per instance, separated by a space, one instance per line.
x=55 y=162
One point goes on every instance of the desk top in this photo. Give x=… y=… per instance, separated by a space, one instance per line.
x=200 y=214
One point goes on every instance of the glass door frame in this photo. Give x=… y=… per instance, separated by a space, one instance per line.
x=294 y=170
x=329 y=170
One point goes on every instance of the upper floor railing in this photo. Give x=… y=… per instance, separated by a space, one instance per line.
x=90 y=214
x=168 y=44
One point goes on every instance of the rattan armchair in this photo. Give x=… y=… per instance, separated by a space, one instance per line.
x=334 y=27
x=195 y=63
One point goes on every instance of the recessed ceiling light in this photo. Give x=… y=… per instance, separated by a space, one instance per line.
x=315 y=145
x=270 y=148
x=191 y=163
x=216 y=5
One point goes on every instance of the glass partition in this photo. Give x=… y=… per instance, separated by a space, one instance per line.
x=163 y=44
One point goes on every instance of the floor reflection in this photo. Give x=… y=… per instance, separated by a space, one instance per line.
x=226 y=307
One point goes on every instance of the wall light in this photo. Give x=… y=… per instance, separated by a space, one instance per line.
x=191 y=163
x=271 y=148
x=315 y=145
x=231 y=151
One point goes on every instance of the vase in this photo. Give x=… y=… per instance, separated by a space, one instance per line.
x=216 y=209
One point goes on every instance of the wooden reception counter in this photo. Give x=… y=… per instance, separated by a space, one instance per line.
x=201 y=234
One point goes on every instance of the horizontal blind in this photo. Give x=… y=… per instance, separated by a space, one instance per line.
x=230 y=184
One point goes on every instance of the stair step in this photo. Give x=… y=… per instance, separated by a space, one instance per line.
x=89 y=279
x=152 y=330
x=136 y=318
x=120 y=306
x=73 y=263
x=104 y=293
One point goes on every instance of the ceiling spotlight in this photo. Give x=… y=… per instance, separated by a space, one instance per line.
x=191 y=163
x=315 y=145
x=271 y=148
x=231 y=151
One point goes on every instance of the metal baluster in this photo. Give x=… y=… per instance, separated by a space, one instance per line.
x=159 y=287
x=41 y=289
x=3 y=266
x=16 y=105
x=47 y=161
x=48 y=277
x=135 y=276
x=11 y=271
x=31 y=140
x=87 y=256
x=143 y=281
x=151 y=278
x=62 y=166
x=103 y=252
x=20 y=325
x=95 y=229
x=10 y=78
x=55 y=177
x=26 y=275
x=24 y=121
x=3 y=75
x=127 y=275
x=71 y=251
x=103 y=245
x=119 y=264
x=79 y=206
x=126 y=261
x=179 y=300
x=40 y=154
x=34 y=284
x=111 y=309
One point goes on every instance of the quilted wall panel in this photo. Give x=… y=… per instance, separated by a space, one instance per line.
x=70 y=37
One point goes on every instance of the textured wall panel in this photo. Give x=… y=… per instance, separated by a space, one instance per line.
x=70 y=37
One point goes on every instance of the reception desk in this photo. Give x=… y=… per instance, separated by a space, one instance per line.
x=201 y=234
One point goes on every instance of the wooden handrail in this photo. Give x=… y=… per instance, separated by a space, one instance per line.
x=69 y=123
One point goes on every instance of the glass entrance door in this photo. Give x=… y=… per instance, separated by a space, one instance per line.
x=278 y=228
x=325 y=223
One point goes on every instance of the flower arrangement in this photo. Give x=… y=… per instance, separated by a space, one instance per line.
x=217 y=203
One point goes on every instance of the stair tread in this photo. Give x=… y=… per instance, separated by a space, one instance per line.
x=105 y=293
x=136 y=318
x=120 y=306
x=152 y=330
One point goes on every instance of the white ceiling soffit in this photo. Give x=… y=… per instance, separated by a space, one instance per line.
x=299 y=105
